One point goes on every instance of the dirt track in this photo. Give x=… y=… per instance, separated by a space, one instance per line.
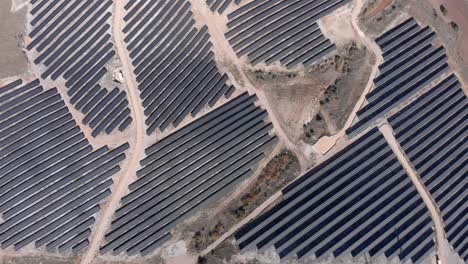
x=326 y=143
x=224 y=52
x=121 y=184
x=387 y=131
x=371 y=45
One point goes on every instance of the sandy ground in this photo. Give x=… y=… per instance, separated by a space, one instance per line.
x=137 y=148
x=457 y=11
x=387 y=131
x=12 y=58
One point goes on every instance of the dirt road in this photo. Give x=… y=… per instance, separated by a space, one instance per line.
x=387 y=131
x=136 y=152
x=223 y=51
x=326 y=143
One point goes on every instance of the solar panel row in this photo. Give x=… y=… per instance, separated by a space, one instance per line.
x=51 y=179
x=220 y=5
x=433 y=132
x=411 y=63
x=284 y=31
x=71 y=39
x=173 y=61
x=359 y=201
x=185 y=171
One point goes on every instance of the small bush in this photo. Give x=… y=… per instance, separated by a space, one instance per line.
x=443 y=10
x=454 y=26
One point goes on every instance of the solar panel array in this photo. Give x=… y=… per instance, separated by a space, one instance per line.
x=433 y=132
x=284 y=31
x=220 y=5
x=51 y=179
x=173 y=62
x=411 y=62
x=187 y=170
x=359 y=201
x=71 y=39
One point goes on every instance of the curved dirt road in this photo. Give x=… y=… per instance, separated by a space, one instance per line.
x=387 y=131
x=371 y=45
x=137 y=147
x=216 y=26
x=329 y=142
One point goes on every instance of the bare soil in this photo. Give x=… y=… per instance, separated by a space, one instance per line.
x=315 y=102
x=453 y=40
x=135 y=154
x=12 y=29
x=457 y=12
x=338 y=99
x=36 y=260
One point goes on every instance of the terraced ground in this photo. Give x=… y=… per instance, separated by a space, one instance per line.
x=71 y=41
x=51 y=179
x=359 y=201
x=284 y=31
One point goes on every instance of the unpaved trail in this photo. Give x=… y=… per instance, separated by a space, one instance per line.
x=223 y=52
x=326 y=143
x=375 y=49
x=387 y=131
x=134 y=155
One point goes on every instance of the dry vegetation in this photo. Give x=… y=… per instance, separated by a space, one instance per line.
x=316 y=101
x=282 y=169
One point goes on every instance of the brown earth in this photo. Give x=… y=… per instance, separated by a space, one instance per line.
x=12 y=28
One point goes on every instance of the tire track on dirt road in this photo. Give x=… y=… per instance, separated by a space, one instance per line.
x=134 y=155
